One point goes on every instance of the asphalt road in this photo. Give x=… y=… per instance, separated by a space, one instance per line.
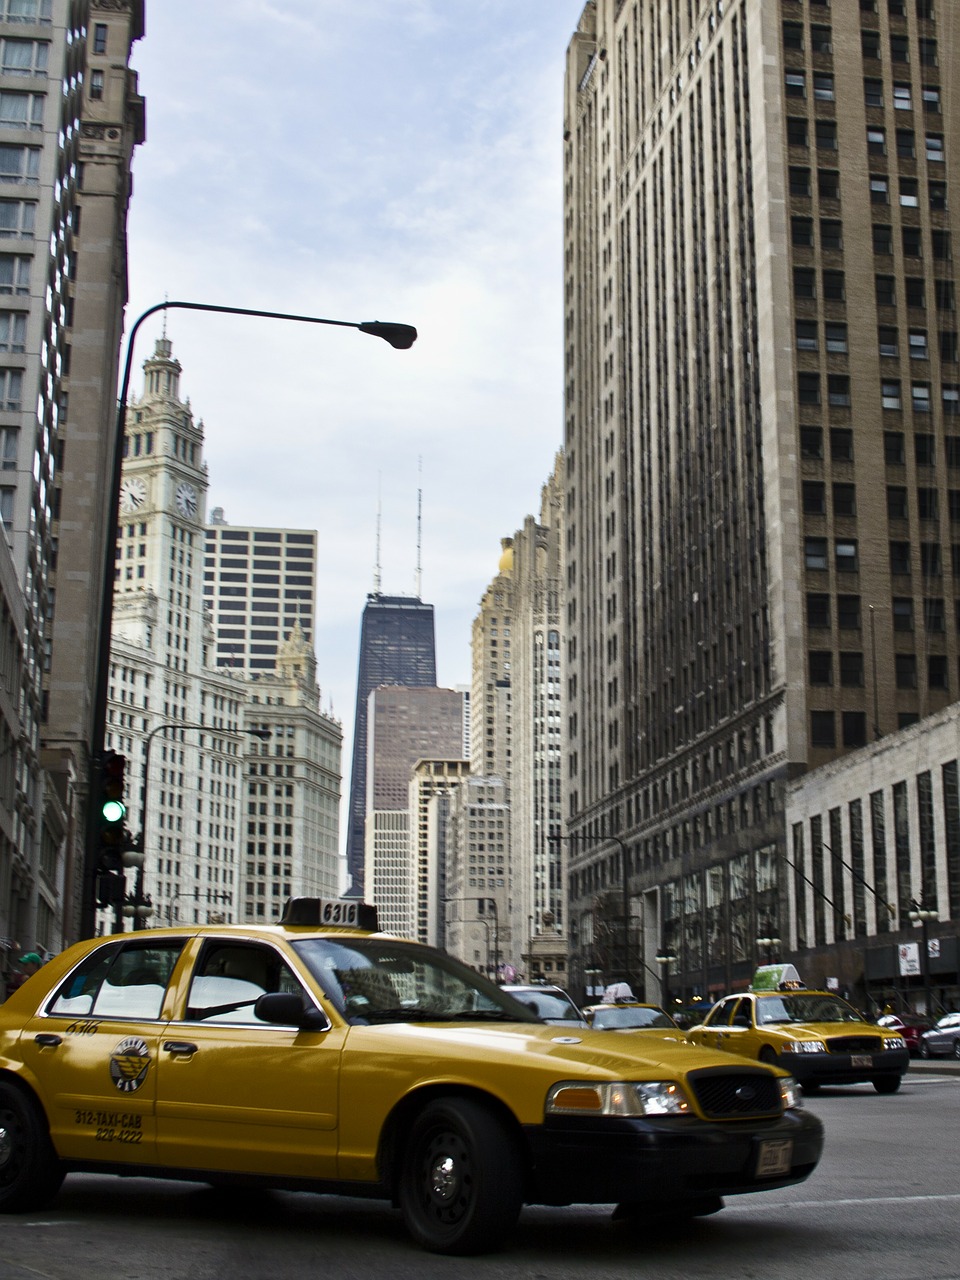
x=883 y=1205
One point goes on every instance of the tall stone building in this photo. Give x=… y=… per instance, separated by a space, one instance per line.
x=406 y=726
x=70 y=118
x=762 y=443
x=397 y=647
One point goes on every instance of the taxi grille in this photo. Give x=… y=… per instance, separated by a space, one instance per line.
x=729 y=1095
x=854 y=1044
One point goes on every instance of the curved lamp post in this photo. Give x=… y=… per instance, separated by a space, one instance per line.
x=400 y=336
x=769 y=944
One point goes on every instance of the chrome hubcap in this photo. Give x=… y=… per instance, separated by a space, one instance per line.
x=6 y=1144
x=443 y=1178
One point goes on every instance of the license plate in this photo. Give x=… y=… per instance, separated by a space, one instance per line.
x=861 y=1060
x=773 y=1157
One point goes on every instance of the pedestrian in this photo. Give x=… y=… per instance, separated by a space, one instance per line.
x=28 y=963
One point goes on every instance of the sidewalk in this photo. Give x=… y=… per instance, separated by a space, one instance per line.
x=937 y=1066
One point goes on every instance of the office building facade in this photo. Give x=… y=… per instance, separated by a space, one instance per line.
x=70 y=118
x=258 y=586
x=762 y=442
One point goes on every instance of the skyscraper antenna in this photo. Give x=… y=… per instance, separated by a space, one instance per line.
x=419 y=576
x=376 y=567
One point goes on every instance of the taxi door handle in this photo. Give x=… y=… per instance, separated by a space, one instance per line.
x=47 y=1040
x=180 y=1046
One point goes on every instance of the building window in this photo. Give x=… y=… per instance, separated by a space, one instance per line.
x=935 y=152
x=19 y=164
x=99 y=37
x=836 y=335
x=928 y=503
x=900 y=558
x=818 y=610
x=917 y=340
x=854 y=728
x=905 y=666
x=815 y=553
x=896 y=502
x=822 y=729
x=909 y=193
x=811 y=442
x=801 y=232
x=920 y=397
x=879 y=189
x=902 y=100
x=823 y=87
x=888 y=341
x=845 y=553
x=820 y=666
x=848 y=613
x=902 y=613
x=937 y=671
x=838 y=390
x=795 y=84
x=890 y=394
x=96 y=85
x=873 y=93
x=808 y=388
x=893 y=451
x=796 y=131
x=806 y=335
x=924 y=450
x=851 y=670
x=844 y=500
x=814 y=501
x=841 y=444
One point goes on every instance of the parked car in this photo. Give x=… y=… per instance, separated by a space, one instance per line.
x=552 y=1004
x=644 y=1018
x=943 y=1038
x=910 y=1026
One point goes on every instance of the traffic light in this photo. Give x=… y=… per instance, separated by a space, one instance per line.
x=113 y=811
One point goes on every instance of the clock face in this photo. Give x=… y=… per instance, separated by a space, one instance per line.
x=133 y=494
x=186 y=499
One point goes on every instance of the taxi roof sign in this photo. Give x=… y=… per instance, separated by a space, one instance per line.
x=776 y=977
x=343 y=913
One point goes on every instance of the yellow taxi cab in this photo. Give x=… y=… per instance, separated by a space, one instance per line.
x=319 y=1054
x=815 y=1035
x=633 y=1016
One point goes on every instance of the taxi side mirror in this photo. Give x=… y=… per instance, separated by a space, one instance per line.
x=287 y=1009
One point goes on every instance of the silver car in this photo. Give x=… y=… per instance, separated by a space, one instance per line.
x=552 y=1004
x=943 y=1038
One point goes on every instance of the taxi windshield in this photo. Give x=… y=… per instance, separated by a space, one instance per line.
x=625 y=1017
x=807 y=1007
x=376 y=980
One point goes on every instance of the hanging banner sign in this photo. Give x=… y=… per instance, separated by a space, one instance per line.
x=909 y=953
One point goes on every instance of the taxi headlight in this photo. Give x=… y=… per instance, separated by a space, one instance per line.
x=804 y=1046
x=894 y=1042
x=790 y=1093
x=624 y=1098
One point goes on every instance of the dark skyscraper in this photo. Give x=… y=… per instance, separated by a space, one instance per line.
x=397 y=646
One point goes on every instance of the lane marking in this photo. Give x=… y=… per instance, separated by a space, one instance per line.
x=821 y=1204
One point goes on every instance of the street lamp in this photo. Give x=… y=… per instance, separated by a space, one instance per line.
x=399 y=336
x=923 y=916
x=663 y=959
x=768 y=943
x=137 y=856
x=492 y=903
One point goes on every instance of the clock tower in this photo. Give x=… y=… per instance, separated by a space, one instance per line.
x=162 y=510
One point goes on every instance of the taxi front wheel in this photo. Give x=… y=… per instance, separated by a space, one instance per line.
x=30 y=1173
x=461 y=1186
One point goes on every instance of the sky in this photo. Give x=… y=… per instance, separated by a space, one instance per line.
x=362 y=160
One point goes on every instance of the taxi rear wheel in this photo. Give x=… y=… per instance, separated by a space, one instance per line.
x=30 y=1173
x=461 y=1185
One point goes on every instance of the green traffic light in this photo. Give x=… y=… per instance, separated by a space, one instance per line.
x=113 y=811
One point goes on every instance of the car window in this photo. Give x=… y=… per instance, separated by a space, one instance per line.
x=719 y=1015
x=371 y=980
x=548 y=1004
x=625 y=1018
x=119 y=980
x=743 y=1015
x=230 y=977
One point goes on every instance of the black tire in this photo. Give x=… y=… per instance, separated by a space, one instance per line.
x=768 y=1055
x=30 y=1173
x=924 y=1049
x=461 y=1182
x=886 y=1084
x=956 y=1048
